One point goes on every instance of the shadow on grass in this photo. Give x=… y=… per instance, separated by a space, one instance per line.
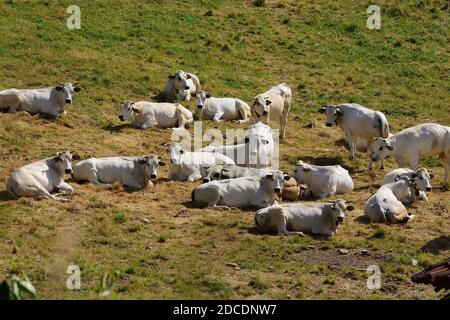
x=114 y=129
x=363 y=220
x=323 y=161
x=160 y=96
x=341 y=143
x=273 y=232
x=437 y=245
x=5 y=196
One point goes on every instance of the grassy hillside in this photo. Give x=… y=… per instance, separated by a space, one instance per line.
x=125 y=50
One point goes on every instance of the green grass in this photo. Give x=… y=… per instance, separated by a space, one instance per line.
x=125 y=50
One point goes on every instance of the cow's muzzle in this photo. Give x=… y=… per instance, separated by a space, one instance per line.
x=340 y=219
x=374 y=159
x=328 y=124
x=277 y=190
x=187 y=87
x=121 y=118
x=200 y=107
x=153 y=176
x=429 y=188
x=68 y=171
x=264 y=113
x=69 y=101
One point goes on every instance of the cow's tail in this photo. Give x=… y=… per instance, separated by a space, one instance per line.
x=384 y=125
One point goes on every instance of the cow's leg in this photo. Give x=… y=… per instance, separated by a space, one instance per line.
x=242 y=114
x=148 y=124
x=284 y=119
x=322 y=230
x=282 y=226
x=444 y=159
x=42 y=192
x=370 y=153
x=94 y=178
x=217 y=116
x=351 y=144
x=413 y=161
x=65 y=187
x=194 y=176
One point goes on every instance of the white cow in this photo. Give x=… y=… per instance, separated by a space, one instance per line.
x=410 y=145
x=41 y=178
x=144 y=114
x=133 y=172
x=385 y=204
x=322 y=181
x=230 y=171
x=274 y=104
x=241 y=192
x=255 y=150
x=185 y=165
x=218 y=109
x=357 y=122
x=422 y=178
x=314 y=218
x=49 y=101
x=179 y=86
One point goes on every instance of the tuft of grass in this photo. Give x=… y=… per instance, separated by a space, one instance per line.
x=120 y=218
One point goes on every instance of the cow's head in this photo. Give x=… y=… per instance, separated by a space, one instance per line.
x=337 y=212
x=381 y=148
x=301 y=169
x=276 y=181
x=332 y=112
x=405 y=185
x=200 y=99
x=260 y=108
x=176 y=153
x=126 y=108
x=66 y=91
x=63 y=161
x=151 y=164
x=210 y=173
x=180 y=80
x=422 y=179
x=183 y=95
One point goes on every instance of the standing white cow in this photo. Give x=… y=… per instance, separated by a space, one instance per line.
x=422 y=178
x=314 y=218
x=185 y=165
x=322 y=181
x=274 y=104
x=41 y=178
x=48 y=101
x=218 y=109
x=410 y=145
x=133 y=172
x=357 y=122
x=385 y=204
x=179 y=86
x=260 y=191
x=144 y=114
x=255 y=150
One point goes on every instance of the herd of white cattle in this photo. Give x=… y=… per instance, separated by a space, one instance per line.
x=241 y=175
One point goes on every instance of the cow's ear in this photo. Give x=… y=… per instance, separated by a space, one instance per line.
x=76 y=89
x=225 y=170
x=208 y=96
x=322 y=109
x=217 y=175
x=193 y=94
x=414 y=176
x=431 y=175
x=142 y=160
x=188 y=76
x=171 y=77
x=75 y=156
x=350 y=208
x=59 y=88
x=397 y=177
x=268 y=102
x=206 y=168
x=287 y=177
x=339 y=111
x=390 y=148
x=306 y=169
x=269 y=176
x=134 y=109
x=57 y=158
x=161 y=163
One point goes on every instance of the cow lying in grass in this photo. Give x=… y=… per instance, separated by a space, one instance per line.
x=385 y=205
x=48 y=101
x=132 y=172
x=258 y=191
x=144 y=114
x=42 y=178
x=422 y=179
x=300 y=218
